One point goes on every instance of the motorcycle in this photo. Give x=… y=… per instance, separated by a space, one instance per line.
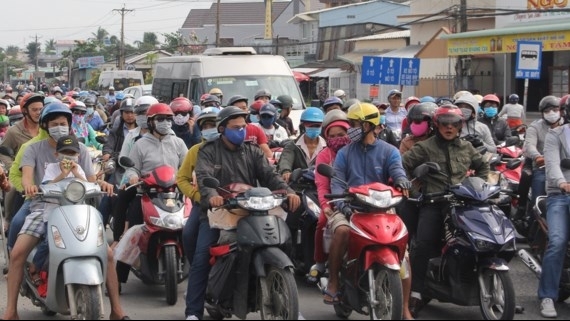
x=370 y=273
x=165 y=212
x=253 y=273
x=480 y=241
x=77 y=254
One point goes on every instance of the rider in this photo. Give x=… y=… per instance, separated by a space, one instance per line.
x=93 y=118
x=332 y=103
x=474 y=131
x=421 y=127
x=455 y=157
x=395 y=113
x=497 y=126
x=284 y=119
x=267 y=117
x=183 y=125
x=514 y=112
x=80 y=128
x=218 y=93
x=262 y=94
x=366 y=160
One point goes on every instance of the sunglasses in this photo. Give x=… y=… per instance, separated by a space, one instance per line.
x=183 y=113
x=160 y=119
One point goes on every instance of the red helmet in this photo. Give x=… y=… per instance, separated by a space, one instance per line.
x=448 y=113
x=159 y=109
x=181 y=104
x=490 y=97
x=203 y=97
x=410 y=101
x=256 y=106
x=564 y=102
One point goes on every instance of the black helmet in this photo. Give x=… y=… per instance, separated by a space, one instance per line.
x=286 y=101
x=236 y=98
x=212 y=99
x=228 y=113
x=548 y=101
x=262 y=93
x=421 y=112
x=513 y=98
x=90 y=101
x=127 y=105
x=277 y=103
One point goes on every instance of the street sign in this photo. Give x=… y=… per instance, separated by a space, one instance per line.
x=410 y=74
x=529 y=60
x=370 y=70
x=390 y=71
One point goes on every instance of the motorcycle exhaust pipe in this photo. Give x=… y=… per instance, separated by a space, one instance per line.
x=530 y=262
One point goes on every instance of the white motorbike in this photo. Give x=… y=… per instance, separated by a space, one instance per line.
x=77 y=253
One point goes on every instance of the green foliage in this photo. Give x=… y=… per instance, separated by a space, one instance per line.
x=94 y=80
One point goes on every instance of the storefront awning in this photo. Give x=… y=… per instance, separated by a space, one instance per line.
x=554 y=36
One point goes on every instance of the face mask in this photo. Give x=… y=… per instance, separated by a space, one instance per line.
x=210 y=134
x=181 y=120
x=267 y=122
x=355 y=134
x=90 y=111
x=552 y=116
x=163 y=127
x=235 y=136
x=420 y=129
x=61 y=157
x=313 y=132
x=253 y=118
x=141 y=121
x=78 y=118
x=491 y=111
x=466 y=113
x=58 y=131
x=383 y=119
x=338 y=142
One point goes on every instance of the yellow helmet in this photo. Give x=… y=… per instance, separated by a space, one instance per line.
x=364 y=112
x=215 y=91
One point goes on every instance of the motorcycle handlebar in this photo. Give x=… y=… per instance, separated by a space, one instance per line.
x=334 y=196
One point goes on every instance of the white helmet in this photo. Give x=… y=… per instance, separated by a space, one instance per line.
x=339 y=93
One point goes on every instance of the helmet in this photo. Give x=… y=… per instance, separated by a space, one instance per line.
x=448 y=113
x=548 y=101
x=479 y=98
x=15 y=114
x=349 y=103
x=216 y=91
x=31 y=98
x=4 y=121
x=277 y=103
x=459 y=94
x=394 y=92
x=256 y=106
x=410 y=101
x=228 y=113
x=312 y=115
x=565 y=107
x=421 y=112
x=83 y=93
x=127 y=105
x=339 y=93
x=129 y=96
x=334 y=116
x=119 y=95
x=203 y=97
x=491 y=97
x=211 y=99
x=78 y=105
x=159 y=109
x=468 y=99
x=286 y=101
x=513 y=98
x=66 y=100
x=332 y=101
x=54 y=109
x=142 y=104
x=5 y=103
x=364 y=112
x=56 y=89
x=444 y=101
x=262 y=93
x=427 y=99
x=268 y=109
x=236 y=98
x=90 y=101
x=208 y=113
x=181 y=105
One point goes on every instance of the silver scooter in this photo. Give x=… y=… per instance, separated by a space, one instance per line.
x=77 y=253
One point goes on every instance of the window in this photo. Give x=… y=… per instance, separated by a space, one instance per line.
x=559 y=81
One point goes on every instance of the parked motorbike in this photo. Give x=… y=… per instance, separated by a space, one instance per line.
x=480 y=241
x=370 y=273
x=77 y=253
x=165 y=211
x=253 y=273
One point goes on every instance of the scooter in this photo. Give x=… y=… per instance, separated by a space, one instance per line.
x=253 y=273
x=77 y=253
x=370 y=273
x=472 y=269
x=165 y=212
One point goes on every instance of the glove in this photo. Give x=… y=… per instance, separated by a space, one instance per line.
x=347 y=211
x=476 y=142
x=404 y=183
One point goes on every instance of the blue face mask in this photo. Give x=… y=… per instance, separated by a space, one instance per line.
x=235 y=136
x=491 y=111
x=267 y=122
x=383 y=119
x=313 y=132
x=253 y=118
x=210 y=134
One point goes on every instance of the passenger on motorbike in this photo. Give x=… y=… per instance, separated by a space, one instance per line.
x=275 y=133
x=55 y=119
x=80 y=128
x=284 y=119
x=229 y=159
x=332 y=103
x=183 y=123
x=421 y=126
x=455 y=157
x=477 y=133
x=514 y=112
x=93 y=118
x=497 y=126
x=556 y=146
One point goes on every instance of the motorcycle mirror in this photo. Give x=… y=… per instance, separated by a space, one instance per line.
x=565 y=163
x=211 y=182
x=514 y=163
x=512 y=141
x=295 y=175
x=7 y=151
x=325 y=170
x=101 y=139
x=126 y=162
x=495 y=159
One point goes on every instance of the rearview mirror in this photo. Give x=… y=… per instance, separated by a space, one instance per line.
x=126 y=162
x=296 y=174
x=514 y=163
x=211 y=182
x=325 y=170
x=101 y=139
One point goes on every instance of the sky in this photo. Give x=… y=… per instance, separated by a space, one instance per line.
x=80 y=19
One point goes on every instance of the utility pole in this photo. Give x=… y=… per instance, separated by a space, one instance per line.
x=461 y=63
x=36 y=77
x=218 y=23
x=123 y=12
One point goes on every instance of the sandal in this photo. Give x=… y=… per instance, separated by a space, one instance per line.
x=335 y=298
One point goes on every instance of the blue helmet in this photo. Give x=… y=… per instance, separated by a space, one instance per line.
x=50 y=99
x=313 y=115
x=55 y=108
x=210 y=113
x=119 y=95
x=332 y=101
x=427 y=99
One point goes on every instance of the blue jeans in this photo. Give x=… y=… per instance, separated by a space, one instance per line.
x=538 y=187
x=199 y=269
x=17 y=223
x=558 y=219
x=190 y=233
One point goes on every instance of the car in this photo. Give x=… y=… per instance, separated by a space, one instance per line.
x=137 y=91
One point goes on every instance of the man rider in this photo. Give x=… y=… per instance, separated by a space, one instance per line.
x=498 y=127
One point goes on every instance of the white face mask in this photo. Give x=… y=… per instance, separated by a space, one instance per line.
x=163 y=127
x=552 y=116
x=181 y=120
x=58 y=131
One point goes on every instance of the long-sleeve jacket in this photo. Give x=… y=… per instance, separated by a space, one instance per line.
x=15 y=174
x=358 y=164
x=115 y=142
x=475 y=127
x=323 y=183
x=534 y=140
x=455 y=158
x=498 y=127
x=247 y=164
x=184 y=178
x=556 y=148
x=189 y=138
x=15 y=137
x=294 y=157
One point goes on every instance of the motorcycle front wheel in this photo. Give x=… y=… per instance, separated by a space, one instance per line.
x=499 y=304
x=87 y=301
x=170 y=274
x=278 y=299
x=386 y=293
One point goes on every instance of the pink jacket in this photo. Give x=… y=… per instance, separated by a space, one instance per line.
x=326 y=156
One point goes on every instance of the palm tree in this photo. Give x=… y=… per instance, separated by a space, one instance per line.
x=50 y=46
x=100 y=35
x=12 y=51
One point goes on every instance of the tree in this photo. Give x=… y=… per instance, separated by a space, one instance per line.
x=50 y=46
x=150 y=42
x=12 y=51
x=100 y=35
x=33 y=50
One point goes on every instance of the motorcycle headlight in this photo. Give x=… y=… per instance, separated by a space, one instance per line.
x=260 y=203
x=171 y=221
x=74 y=192
x=379 y=199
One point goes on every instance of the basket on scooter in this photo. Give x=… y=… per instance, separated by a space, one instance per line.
x=221 y=279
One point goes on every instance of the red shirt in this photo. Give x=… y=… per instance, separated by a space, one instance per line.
x=255 y=135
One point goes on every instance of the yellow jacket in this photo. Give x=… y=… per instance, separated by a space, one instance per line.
x=184 y=177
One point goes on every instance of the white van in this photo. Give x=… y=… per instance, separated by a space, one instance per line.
x=234 y=70
x=120 y=79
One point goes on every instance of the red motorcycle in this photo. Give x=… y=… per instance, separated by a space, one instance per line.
x=370 y=274
x=165 y=212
